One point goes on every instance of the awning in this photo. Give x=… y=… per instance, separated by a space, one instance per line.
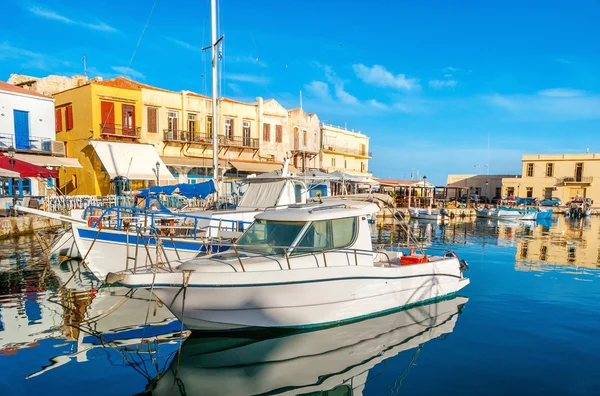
x=8 y=173
x=260 y=167
x=47 y=160
x=193 y=162
x=199 y=190
x=131 y=160
x=25 y=169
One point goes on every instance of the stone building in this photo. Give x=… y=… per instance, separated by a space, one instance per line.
x=51 y=84
x=305 y=140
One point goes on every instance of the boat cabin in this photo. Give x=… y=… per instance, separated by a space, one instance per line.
x=301 y=236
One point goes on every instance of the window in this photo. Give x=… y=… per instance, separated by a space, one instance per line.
x=548 y=192
x=578 y=171
x=229 y=128
x=246 y=133
x=328 y=234
x=152 y=119
x=192 y=122
x=58 y=120
x=498 y=192
x=529 y=192
x=549 y=169
x=278 y=133
x=530 y=169
x=69 y=117
x=345 y=164
x=128 y=118
x=478 y=190
x=304 y=137
x=298 y=192
x=362 y=167
x=173 y=118
x=263 y=234
x=510 y=191
x=209 y=131
x=267 y=132
x=333 y=162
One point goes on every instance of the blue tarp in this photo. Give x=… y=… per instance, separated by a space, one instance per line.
x=200 y=190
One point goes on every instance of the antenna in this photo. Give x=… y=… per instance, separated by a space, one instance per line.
x=300 y=99
x=84 y=59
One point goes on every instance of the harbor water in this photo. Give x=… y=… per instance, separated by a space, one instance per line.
x=526 y=325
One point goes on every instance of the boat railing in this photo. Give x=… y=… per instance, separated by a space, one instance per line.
x=121 y=218
x=291 y=253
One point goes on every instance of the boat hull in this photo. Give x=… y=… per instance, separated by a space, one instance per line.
x=108 y=250
x=303 y=298
x=65 y=246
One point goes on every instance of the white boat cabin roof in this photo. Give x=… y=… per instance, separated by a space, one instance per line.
x=321 y=211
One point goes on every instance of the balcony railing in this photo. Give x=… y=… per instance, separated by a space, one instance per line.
x=237 y=141
x=575 y=180
x=346 y=150
x=119 y=130
x=32 y=143
x=204 y=138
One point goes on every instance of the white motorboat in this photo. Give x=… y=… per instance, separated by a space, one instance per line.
x=339 y=358
x=494 y=213
x=302 y=267
x=428 y=214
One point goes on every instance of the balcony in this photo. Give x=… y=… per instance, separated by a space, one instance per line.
x=33 y=143
x=346 y=150
x=236 y=141
x=117 y=130
x=564 y=181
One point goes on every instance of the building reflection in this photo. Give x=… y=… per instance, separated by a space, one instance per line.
x=568 y=242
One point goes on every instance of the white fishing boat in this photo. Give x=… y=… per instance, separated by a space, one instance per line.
x=336 y=360
x=428 y=214
x=307 y=266
x=494 y=213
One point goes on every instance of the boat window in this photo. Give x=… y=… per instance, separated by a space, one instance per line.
x=270 y=233
x=298 y=191
x=328 y=234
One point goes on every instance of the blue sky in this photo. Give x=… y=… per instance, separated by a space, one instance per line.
x=431 y=82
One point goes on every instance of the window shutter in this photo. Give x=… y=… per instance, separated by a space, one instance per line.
x=69 y=117
x=58 y=120
x=232 y=128
x=278 y=133
x=267 y=132
x=152 y=120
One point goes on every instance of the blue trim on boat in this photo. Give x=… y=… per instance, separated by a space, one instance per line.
x=122 y=238
x=147 y=286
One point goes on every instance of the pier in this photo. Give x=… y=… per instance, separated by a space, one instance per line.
x=22 y=225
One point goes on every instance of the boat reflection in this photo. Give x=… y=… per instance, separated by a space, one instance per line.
x=331 y=361
x=56 y=303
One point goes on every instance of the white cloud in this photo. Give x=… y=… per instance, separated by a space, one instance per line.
x=561 y=92
x=235 y=89
x=564 y=61
x=49 y=14
x=30 y=59
x=318 y=89
x=249 y=78
x=380 y=77
x=54 y=16
x=124 y=71
x=344 y=96
x=561 y=106
x=184 y=44
x=440 y=84
x=378 y=105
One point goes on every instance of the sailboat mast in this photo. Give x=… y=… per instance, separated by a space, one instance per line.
x=215 y=120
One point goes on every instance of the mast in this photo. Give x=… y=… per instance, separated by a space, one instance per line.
x=215 y=121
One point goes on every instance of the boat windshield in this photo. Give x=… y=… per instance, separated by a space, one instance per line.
x=263 y=234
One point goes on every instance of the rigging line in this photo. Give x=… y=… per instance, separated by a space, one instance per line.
x=130 y=62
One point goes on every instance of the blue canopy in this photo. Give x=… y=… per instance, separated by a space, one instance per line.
x=200 y=190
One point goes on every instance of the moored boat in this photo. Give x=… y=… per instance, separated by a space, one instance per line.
x=302 y=267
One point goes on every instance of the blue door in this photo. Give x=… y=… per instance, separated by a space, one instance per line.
x=21 y=129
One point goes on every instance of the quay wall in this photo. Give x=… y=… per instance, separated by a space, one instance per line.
x=15 y=226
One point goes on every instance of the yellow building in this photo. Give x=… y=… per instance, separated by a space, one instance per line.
x=344 y=150
x=489 y=186
x=557 y=175
x=101 y=129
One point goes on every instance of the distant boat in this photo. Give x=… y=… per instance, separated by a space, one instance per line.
x=428 y=214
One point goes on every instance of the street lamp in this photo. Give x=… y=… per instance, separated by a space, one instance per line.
x=157 y=170
x=486 y=189
x=425 y=189
x=11 y=158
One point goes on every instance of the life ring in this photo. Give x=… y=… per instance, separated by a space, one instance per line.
x=94 y=219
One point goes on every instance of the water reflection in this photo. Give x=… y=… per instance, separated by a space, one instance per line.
x=568 y=242
x=334 y=361
x=66 y=317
